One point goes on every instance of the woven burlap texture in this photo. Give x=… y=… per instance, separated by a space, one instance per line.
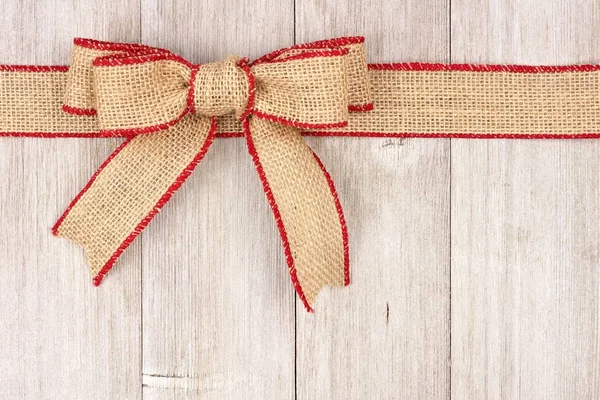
x=316 y=90
x=293 y=173
x=433 y=102
x=129 y=187
x=31 y=102
x=128 y=92
x=169 y=104
x=221 y=88
x=168 y=108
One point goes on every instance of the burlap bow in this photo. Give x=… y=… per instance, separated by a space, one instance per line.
x=168 y=108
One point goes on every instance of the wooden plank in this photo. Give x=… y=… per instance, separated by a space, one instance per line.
x=218 y=301
x=525 y=232
x=386 y=336
x=61 y=337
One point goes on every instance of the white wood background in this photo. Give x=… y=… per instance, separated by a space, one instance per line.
x=475 y=264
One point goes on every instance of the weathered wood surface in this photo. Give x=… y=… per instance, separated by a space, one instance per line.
x=217 y=299
x=387 y=336
x=525 y=223
x=475 y=264
x=60 y=337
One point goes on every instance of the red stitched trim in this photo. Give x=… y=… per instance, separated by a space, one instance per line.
x=307 y=54
x=310 y=54
x=227 y=135
x=455 y=135
x=340 y=211
x=388 y=67
x=337 y=42
x=139 y=58
x=161 y=202
x=280 y=226
x=525 y=69
x=190 y=98
x=60 y=135
x=243 y=64
x=87 y=112
x=297 y=124
x=34 y=68
x=145 y=130
x=109 y=46
x=360 y=107
x=87 y=186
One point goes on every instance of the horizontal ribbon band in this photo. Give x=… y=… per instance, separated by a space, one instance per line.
x=410 y=100
x=170 y=110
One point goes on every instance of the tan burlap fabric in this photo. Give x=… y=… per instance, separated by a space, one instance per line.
x=292 y=172
x=310 y=95
x=483 y=102
x=30 y=103
x=221 y=88
x=405 y=102
x=134 y=182
x=167 y=108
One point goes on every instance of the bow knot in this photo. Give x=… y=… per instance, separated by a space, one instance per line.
x=221 y=88
x=168 y=106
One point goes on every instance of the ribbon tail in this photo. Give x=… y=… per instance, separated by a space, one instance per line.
x=130 y=188
x=305 y=205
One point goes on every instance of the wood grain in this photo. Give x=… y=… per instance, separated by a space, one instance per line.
x=475 y=264
x=61 y=338
x=525 y=232
x=218 y=300
x=386 y=336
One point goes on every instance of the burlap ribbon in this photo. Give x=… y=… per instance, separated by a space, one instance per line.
x=168 y=109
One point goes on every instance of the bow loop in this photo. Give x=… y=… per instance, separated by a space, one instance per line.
x=79 y=95
x=141 y=93
x=303 y=88
x=357 y=78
